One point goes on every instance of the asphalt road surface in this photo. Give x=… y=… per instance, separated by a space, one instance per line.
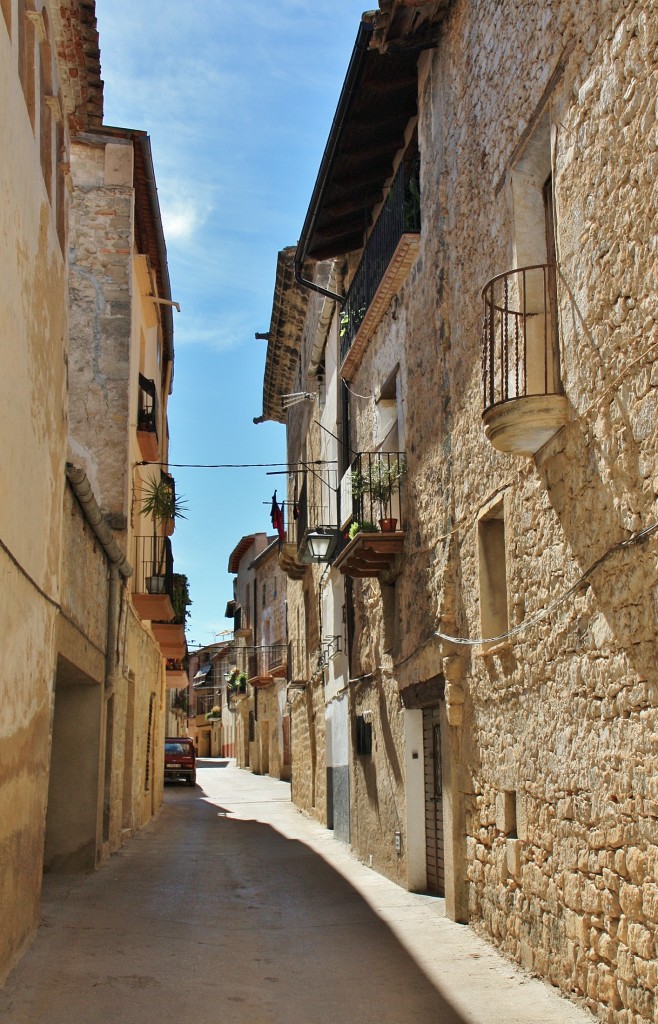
x=234 y=908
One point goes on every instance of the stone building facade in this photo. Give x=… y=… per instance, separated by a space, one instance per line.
x=255 y=709
x=502 y=649
x=84 y=681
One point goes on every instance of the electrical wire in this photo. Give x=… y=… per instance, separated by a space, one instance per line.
x=637 y=538
x=228 y=465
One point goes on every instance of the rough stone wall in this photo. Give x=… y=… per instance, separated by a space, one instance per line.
x=241 y=752
x=101 y=237
x=377 y=804
x=267 y=754
x=309 y=790
x=558 y=779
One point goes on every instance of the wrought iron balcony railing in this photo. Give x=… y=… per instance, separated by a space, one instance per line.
x=377 y=484
x=317 y=506
x=146 y=410
x=400 y=215
x=520 y=354
x=266 y=661
x=154 y=566
x=147 y=420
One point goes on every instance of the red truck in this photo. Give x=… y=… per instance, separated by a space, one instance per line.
x=180 y=759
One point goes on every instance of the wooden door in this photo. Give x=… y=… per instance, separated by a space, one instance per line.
x=433 y=801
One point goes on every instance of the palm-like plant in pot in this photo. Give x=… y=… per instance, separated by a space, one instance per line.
x=380 y=480
x=164 y=506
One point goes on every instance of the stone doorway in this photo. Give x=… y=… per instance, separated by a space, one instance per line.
x=72 y=817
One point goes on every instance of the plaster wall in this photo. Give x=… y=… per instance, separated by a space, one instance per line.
x=141 y=703
x=33 y=430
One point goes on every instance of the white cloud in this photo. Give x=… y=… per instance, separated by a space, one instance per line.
x=221 y=332
x=182 y=217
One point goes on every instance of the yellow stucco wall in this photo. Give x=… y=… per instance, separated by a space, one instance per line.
x=32 y=427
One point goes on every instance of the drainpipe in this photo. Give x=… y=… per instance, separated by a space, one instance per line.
x=112 y=629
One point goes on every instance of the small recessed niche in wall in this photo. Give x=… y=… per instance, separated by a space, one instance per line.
x=506 y=813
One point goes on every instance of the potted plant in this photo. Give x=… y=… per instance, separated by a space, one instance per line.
x=164 y=506
x=214 y=714
x=380 y=480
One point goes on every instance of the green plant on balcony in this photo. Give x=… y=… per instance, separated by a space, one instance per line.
x=380 y=480
x=179 y=701
x=164 y=506
x=351 y=317
x=214 y=714
x=237 y=682
x=364 y=527
x=180 y=598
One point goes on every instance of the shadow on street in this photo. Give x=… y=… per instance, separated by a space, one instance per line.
x=215 y=919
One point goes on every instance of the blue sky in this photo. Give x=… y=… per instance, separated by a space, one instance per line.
x=238 y=100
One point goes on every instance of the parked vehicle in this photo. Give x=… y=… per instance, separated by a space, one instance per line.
x=180 y=759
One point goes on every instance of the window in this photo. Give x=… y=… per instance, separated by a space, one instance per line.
x=534 y=245
x=388 y=415
x=363 y=736
x=493 y=572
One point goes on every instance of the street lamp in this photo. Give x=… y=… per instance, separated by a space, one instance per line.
x=320 y=543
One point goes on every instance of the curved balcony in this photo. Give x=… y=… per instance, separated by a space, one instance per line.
x=524 y=405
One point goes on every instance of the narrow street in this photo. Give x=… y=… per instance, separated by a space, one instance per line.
x=233 y=907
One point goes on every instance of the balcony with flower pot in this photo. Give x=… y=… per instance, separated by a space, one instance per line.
x=176 y=676
x=524 y=403
x=153 y=580
x=376 y=535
